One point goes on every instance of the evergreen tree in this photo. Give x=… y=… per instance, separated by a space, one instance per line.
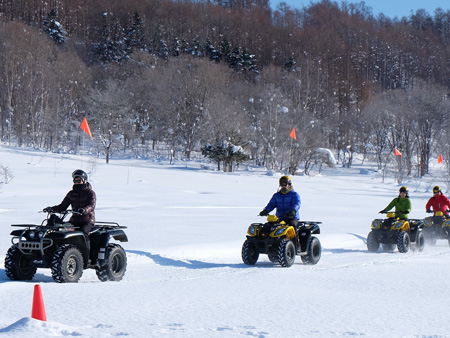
x=111 y=45
x=135 y=35
x=227 y=153
x=212 y=52
x=158 y=45
x=225 y=49
x=53 y=28
x=249 y=62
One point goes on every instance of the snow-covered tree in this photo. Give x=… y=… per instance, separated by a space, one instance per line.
x=225 y=152
x=53 y=28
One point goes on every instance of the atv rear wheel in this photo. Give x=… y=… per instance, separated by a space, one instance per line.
x=113 y=267
x=67 y=264
x=314 y=252
x=17 y=265
x=372 y=243
x=249 y=253
x=420 y=241
x=388 y=247
x=286 y=253
x=273 y=258
x=403 y=242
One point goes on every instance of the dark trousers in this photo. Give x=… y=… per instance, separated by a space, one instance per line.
x=290 y=221
x=86 y=228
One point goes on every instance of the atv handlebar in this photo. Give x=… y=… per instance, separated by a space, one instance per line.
x=63 y=213
x=395 y=212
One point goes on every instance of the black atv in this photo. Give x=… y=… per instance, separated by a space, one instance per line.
x=58 y=245
x=436 y=227
x=396 y=232
x=281 y=242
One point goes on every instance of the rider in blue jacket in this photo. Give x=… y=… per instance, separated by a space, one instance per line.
x=286 y=200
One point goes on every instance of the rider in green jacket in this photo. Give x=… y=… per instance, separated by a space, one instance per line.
x=402 y=204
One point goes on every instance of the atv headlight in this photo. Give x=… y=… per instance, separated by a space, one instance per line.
x=252 y=230
x=32 y=234
x=376 y=224
x=279 y=231
x=398 y=225
x=427 y=222
x=41 y=234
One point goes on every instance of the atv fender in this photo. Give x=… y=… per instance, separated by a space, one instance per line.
x=285 y=231
x=304 y=235
x=314 y=228
x=16 y=233
x=104 y=238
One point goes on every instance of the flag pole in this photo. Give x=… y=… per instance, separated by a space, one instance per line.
x=290 y=155
x=293 y=137
x=85 y=127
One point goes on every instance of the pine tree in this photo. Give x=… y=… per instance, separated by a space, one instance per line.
x=135 y=35
x=227 y=153
x=53 y=28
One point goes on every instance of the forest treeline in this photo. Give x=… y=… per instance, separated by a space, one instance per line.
x=183 y=75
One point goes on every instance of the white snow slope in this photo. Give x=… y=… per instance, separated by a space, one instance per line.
x=185 y=276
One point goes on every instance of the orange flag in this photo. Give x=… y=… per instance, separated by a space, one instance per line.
x=397 y=153
x=85 y=127
x=440 y=159
x=293 y=134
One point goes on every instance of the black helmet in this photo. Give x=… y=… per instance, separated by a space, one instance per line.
x=405 y=190
x=285 y=180
x=437 y=189
x=80 y=173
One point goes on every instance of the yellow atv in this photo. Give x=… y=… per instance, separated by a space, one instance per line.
x=282 y=242
x=436 y=227
x=396 y=232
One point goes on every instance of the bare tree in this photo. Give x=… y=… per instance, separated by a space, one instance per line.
x=108 y=108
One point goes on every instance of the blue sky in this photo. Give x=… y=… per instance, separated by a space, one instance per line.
x=390 y=8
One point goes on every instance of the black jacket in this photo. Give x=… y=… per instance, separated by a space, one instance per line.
x=81 y=196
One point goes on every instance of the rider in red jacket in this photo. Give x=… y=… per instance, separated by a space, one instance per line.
x=439 y=202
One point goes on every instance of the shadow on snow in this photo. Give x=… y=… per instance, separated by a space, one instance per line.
x=196 y=264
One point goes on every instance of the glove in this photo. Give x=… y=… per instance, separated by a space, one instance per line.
x=264 y=213
x=48 y=209
x=291 y=214
x=80 y=211
x=429 y=211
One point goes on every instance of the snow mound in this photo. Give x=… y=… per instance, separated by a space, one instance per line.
x=31 y=327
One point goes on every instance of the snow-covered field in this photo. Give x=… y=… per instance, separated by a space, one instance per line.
x=185 y=276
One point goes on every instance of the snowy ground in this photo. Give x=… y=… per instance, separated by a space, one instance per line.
x=185 y=276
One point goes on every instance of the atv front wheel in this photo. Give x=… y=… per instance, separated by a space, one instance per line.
x=113 y=267
x=286 y=253
x=403 y=242
x=67 y=264
x=17 y=265
x=372 y=243
x=249 y=253
x=314 y=252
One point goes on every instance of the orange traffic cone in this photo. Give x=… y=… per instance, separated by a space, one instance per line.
x=38 y=311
